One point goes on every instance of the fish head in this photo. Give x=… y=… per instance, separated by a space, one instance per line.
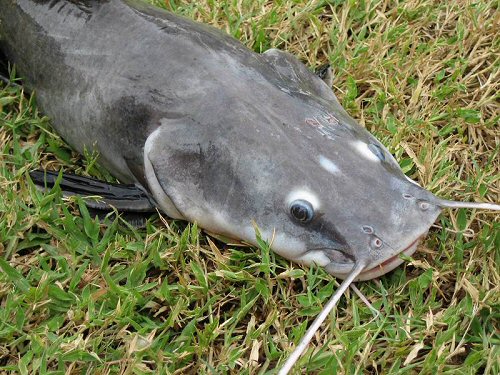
x=336 y=202
x=278 y=152
x=332 y=196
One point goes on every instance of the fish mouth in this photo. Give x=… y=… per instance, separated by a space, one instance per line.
x=390 y=263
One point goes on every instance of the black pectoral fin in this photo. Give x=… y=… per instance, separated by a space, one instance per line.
x=135 y=219
x=124 y=198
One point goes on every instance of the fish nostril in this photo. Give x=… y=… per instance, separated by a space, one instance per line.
x=376 y=242
x=367 y=229
x=424 y=206
x=407 y=196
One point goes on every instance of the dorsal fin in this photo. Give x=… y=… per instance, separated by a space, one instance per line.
x=297 y=76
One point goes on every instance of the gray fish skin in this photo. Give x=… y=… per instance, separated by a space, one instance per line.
x=218 y=134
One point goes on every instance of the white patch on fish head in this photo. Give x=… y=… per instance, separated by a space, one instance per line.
x=304 y=194
x=328 y=165
x=365 y=151
x=281 y=243
x=314 y=257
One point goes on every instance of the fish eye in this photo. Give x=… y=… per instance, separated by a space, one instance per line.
x=302 y=211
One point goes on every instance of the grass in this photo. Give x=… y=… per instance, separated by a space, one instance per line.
x=80 y=297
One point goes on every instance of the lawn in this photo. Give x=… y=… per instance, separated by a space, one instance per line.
x=77 y=296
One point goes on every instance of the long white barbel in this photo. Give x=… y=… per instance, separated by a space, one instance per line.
x=302 y=345
x=459 y=204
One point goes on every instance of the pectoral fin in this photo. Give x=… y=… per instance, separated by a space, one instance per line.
x=298 y=76
x=132 y=202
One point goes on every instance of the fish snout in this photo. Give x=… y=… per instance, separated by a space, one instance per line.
x=401 y=236
x=425 y=203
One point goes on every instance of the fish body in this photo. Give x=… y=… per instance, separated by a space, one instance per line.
x=216 y=133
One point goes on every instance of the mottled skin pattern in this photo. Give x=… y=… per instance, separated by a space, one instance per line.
x=229 y=133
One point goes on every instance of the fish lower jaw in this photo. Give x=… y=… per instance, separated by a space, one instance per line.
x=389 y=264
